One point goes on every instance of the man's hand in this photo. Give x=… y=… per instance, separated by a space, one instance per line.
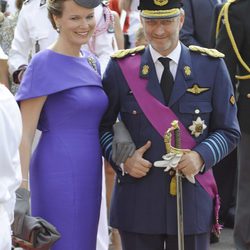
x=190 y=163
x=136 y=165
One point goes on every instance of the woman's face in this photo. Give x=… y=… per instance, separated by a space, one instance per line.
x=76 y=24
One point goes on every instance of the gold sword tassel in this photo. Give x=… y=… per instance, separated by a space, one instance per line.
x=172 y=189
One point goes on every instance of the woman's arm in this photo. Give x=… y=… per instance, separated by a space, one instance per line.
x=118 y=31
x=30 y=110
x=125 y=4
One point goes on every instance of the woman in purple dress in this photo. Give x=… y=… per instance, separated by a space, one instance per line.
x=61 y=95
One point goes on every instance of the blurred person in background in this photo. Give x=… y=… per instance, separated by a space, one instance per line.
x=107 y=37
x=33 y=33
x=7 y=28
x=114 y=5
x=196 y=30
x=8 y=7
x=10 y=168
x=131 y=7
x=140 y=39
x=233 y=39
x=197 y=25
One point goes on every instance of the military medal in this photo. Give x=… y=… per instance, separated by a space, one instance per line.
x=187 y=70
x=197 y=127
x=145 y=70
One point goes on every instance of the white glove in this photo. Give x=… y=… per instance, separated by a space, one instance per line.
x=170 y=161
x=122 y=144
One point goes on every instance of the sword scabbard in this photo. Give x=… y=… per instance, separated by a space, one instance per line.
x=176 y=181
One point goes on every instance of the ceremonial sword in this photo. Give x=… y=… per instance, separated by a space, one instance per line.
x=179 y=196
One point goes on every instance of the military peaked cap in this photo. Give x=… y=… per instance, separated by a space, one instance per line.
x=160 y=8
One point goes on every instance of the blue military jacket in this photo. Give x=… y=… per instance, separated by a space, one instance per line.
x=145 y=205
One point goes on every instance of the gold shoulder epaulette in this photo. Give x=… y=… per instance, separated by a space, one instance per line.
x=211 y=52
x=125 y=52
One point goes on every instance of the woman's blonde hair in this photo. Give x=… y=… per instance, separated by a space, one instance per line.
x=55 y=8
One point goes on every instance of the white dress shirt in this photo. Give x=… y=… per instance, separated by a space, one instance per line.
x=174 y=56
x=33 y=32
x=10 y=168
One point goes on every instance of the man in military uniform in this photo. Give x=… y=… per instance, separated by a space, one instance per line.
x=234 y=40
x=196 y=90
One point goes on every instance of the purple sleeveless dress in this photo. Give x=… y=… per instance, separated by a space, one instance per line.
x=65 y=171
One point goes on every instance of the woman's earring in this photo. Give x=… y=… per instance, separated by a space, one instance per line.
x=58 y=29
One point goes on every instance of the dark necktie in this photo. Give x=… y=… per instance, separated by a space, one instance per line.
x=167 y=80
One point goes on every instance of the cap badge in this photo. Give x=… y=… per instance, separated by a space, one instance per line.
x=197 y=127
x=145 y=70
x=92 y=62
x=196 y=89
x=160 y=2
x=187 y=70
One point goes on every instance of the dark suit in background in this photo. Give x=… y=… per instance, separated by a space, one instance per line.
x=214 y=20
x=239 y=20
x=197 y=26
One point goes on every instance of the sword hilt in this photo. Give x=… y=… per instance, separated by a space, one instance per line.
x=168 y=137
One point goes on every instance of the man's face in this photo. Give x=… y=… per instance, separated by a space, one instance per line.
x=163 y=34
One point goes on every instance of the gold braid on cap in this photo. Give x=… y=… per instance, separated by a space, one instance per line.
x=161 y=13
x=224 y=12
